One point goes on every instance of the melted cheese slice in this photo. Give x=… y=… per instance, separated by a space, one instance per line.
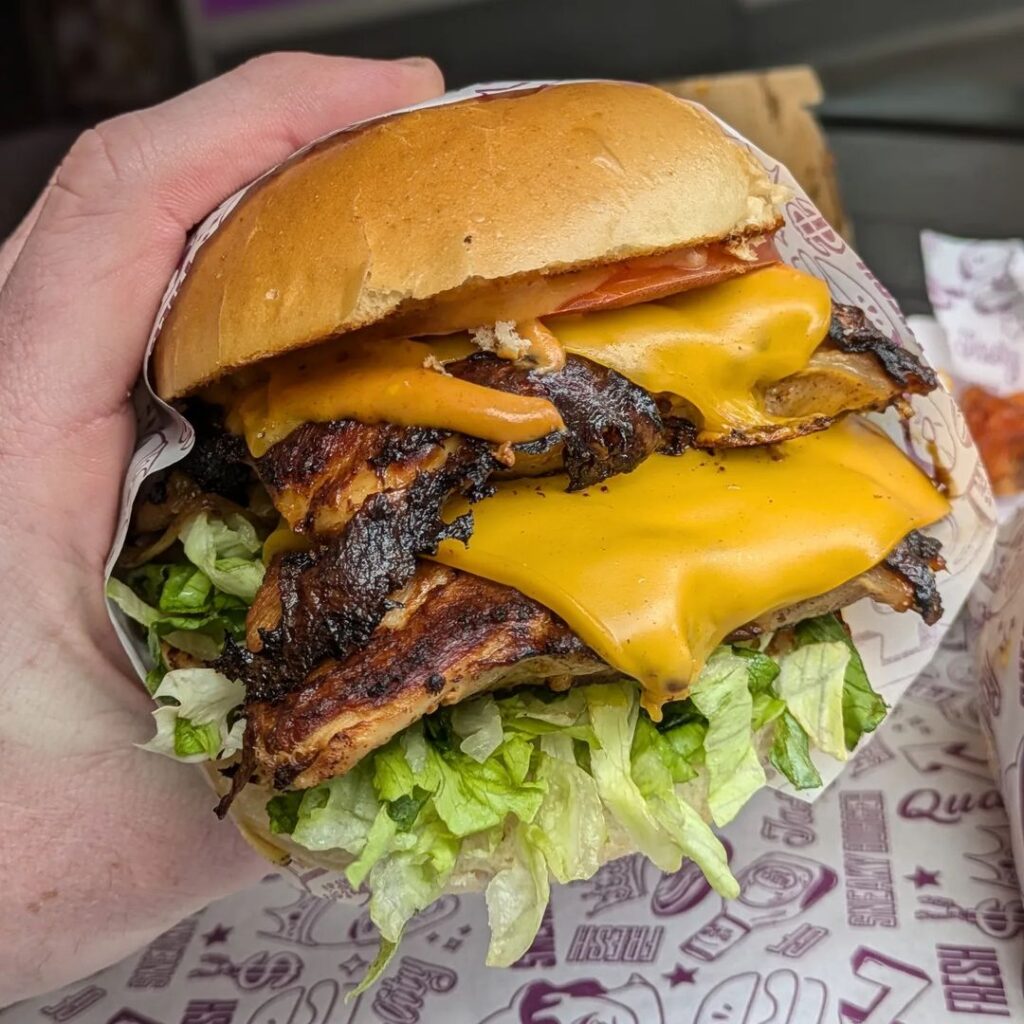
x=655 y=568
x=381 y=382
x=715 y=347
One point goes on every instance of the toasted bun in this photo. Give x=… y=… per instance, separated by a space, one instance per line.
x=370 y=223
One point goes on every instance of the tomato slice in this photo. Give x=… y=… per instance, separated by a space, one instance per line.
x=653 y=277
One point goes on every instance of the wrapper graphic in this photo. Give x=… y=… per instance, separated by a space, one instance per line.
x=891 y=900
x=977 y=291
x=895 y=648
x=977 y=334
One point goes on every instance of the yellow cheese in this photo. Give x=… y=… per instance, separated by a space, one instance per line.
x=655 y=568
x=714 y=347
x=284 y=539
x=381 y=382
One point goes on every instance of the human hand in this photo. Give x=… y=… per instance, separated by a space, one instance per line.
x=102 y=846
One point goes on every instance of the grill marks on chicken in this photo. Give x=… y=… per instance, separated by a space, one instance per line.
x=915 y=561
x=321 y=474
x=611 y=424
x=450 y=635
x=327 y=602
x=850 y=331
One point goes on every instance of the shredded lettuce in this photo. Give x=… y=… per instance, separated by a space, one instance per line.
x=385 y=951
x=613 y=713
x=227 y=549
x=283 y=811
x=791 y=755
x=195 y=604
x=722 y=694
x=863 y=708
x=338 y=814
x=194 y=721
x=516 y=898
x=811 y=680
x=410 y=877
x=569 y=829
x=478 y=723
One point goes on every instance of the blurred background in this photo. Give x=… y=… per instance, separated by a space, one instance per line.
x=921 y=101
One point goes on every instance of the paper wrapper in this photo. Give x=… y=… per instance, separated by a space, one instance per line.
x=891 y=900
x=977 y=290
x=787 y=854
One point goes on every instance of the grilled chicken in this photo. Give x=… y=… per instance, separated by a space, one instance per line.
x=452 y=635
x=320 y=475
x=611 y=425
x=905 y=581
x=856 y=370
x=326 y=602
x=351 y=641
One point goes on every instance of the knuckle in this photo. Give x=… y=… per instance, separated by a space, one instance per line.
x=266 y=66
x=106 y=160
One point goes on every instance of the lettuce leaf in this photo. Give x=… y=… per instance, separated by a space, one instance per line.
x=656 y=767
x=385 y=952
x=657 y=762
x=516 y=897
x=283 y=811
x=471 y=797
x=863 y=708
x=182 y=604
x=478 y=723
x=186 y=589
x=194 y=721
x=791 y=755
x=338 y=814
x=379 y=840
x=227 y=548
x=569 y=828
x=408 y=880
x=811 y=682
x=614 y=709
x=722 y=694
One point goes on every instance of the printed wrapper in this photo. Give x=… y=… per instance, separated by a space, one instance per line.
x=977 y=290
x=890 y=900
x=895 y=648
x=976 y=337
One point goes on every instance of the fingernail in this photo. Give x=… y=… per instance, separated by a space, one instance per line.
x=415 y=62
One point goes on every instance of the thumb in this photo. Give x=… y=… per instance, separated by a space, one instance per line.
x=76 y=308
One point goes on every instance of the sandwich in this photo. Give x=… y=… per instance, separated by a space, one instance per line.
x=528 y=488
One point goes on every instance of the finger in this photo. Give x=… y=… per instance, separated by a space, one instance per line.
x=11 y=248
x=77 y=306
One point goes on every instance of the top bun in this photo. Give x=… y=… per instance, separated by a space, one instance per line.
x=374 y=222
